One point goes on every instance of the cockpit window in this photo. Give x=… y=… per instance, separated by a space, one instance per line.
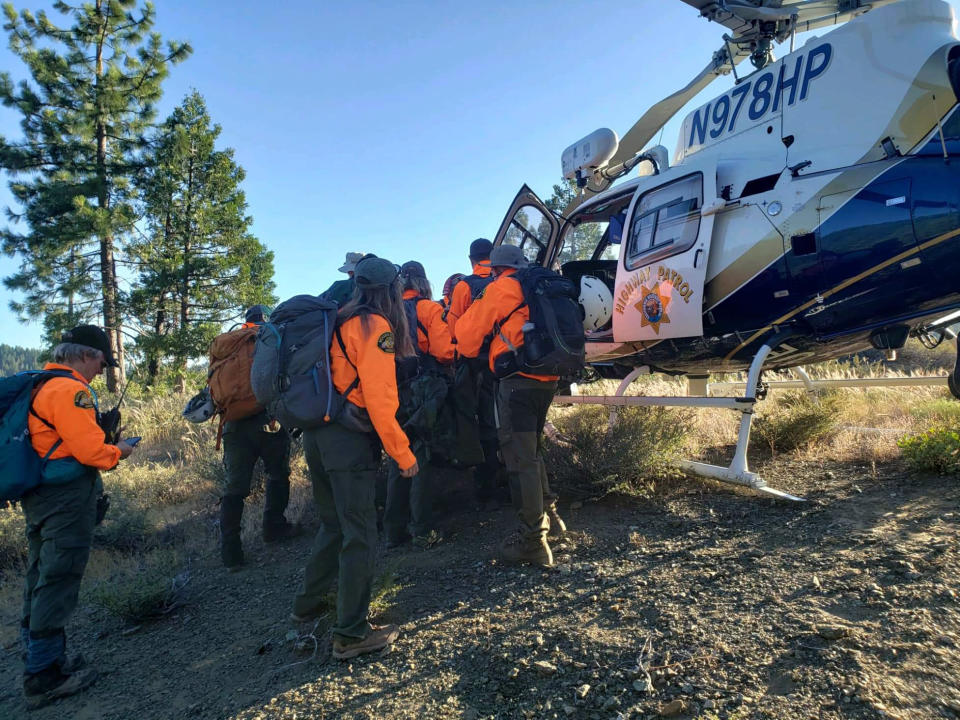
x=530 y=231
x=666 y=221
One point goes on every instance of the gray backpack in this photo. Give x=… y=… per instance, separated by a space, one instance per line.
x=291 y=375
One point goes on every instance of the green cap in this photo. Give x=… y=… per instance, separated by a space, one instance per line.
x=375 y=272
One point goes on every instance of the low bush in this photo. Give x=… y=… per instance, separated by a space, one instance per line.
x=585 y=458
x=144 y=588
x=936 y=450
x=797 y=420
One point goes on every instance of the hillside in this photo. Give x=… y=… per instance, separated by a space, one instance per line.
x=671 y=596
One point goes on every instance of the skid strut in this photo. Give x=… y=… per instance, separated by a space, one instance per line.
x=738 y=471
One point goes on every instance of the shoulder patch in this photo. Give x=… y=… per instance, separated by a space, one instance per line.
x=386 y=342
x=83 y=400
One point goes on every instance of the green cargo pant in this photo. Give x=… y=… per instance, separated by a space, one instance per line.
x=343 y=468
x=522 y=405
x=59 y=522
x=244 y=441
x=409 y=500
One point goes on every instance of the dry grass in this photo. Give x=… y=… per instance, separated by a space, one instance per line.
x=163 y=515
x=164 y=500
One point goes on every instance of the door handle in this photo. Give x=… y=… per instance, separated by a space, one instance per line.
x=696 y=256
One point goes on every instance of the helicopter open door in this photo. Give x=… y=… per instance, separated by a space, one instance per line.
x=662 y=270
x=530 y=226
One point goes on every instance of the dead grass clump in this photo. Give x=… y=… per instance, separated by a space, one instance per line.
x=13 y=539
x=585 y=458
x=797 y=420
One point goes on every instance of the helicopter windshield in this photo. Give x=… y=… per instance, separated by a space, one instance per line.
x=597 y=237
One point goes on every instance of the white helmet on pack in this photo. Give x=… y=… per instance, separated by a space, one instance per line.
x=596 y=301
x=200 y=408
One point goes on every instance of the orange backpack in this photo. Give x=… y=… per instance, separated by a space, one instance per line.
x=231 y=356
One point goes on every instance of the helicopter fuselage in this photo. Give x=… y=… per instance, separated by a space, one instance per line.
x=817 y=200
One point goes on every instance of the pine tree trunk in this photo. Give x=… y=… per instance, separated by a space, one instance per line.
x=108 y=268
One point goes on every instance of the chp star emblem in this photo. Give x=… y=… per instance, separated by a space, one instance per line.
x=653 y=307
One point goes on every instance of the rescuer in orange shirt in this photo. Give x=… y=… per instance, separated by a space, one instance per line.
x=448 y=286
x=344 y=456
x=475 y=374
x=522 y=404
x=61 y=512
x=410 y=500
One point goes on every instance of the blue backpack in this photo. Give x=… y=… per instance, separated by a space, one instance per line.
x=21 y=469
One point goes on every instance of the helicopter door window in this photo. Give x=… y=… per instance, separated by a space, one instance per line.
x=530 y=231
x=666 y=221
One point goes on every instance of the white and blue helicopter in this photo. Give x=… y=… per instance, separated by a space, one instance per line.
x=811 y=211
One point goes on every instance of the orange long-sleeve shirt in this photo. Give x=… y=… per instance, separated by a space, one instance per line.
x=436 y=341
x=461 y=298
x=498 y=301
x=372 y=353
x=67 y=404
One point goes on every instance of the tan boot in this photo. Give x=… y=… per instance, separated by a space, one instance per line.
x=521 y=550
x=54 y=683
x=379 y=637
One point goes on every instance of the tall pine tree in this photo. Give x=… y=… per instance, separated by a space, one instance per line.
x=85 y=113
x=199 y=263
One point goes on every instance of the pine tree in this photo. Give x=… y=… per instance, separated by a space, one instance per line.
x=94 y=86
x=199 y=264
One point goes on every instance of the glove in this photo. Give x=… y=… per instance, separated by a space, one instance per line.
x=103 y=504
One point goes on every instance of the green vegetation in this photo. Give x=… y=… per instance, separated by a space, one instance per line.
x=144 y=589
x=586 y=458
x=797 y=420
x=14 y=359
x=936 y=450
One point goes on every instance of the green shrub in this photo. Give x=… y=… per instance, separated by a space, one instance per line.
x=147 y=588
x=797 y=420
x=943 y=411
x=584 y=458
x=936 y=450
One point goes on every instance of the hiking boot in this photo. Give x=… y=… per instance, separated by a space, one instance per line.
x=231 y=553
x=520 y=550
x=279 y=532
x=557 y=526
x=53 y=683
x=379 y=637
x=428 y=540
x=231 y=549
x=309 y=617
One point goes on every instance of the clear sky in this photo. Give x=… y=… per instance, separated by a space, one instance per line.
x=406 y=128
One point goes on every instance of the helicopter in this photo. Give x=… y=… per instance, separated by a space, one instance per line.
x=809 y=212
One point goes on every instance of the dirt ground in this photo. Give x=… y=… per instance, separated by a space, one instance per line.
x=702 y=601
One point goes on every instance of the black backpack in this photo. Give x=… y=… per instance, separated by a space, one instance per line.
x=553 y=339
x=477 y=284
x=291 y=374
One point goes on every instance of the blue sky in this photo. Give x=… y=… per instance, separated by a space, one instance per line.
x=406 y=128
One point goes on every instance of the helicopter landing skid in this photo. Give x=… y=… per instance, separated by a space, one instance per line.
x=738 y=473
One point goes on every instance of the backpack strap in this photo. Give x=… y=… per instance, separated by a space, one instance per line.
x=48 y=376
x=343 y=348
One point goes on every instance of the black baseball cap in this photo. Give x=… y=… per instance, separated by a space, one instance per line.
x=257 y=312
x=480 y=248
x=413 y=269
x=92 y=337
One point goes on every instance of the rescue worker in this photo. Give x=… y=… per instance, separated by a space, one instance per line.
x=522 y=404
x=244 y=442
x=61 y=513
x=410 y=500
x=481 y=381
x=448 y=287
x=256 y=315
x=342 y=290
x=343 y=458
